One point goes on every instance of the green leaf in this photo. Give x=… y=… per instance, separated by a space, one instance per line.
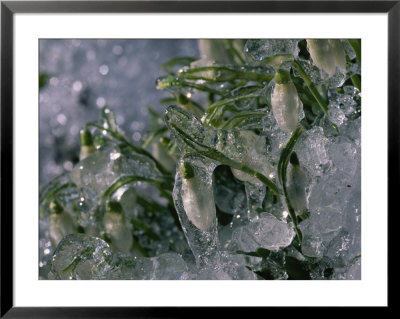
x=215 y=108
x=236 y=119
x=155 y=135
x=227 y=74
x=171 y=82
x=178 y=61
x=124 y=180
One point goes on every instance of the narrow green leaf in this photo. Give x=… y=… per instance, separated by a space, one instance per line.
x=124 y=180
x=54 y=191
x=178 y=61
x=155 y=135
x=236 y=119
x=213 y=110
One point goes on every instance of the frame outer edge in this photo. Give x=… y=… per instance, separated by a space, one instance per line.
x=393 y=116
x=6 y=162
x=6 y=159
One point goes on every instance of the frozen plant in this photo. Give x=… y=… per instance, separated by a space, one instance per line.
x=252 y=172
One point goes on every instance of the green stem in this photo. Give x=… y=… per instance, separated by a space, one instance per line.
x=213 y=109
x=233 y=74
x=282 y=167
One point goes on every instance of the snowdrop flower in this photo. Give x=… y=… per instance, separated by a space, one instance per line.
x=197 y=198
x=87 y=146
x=285 y=102
x=161 y=154
x=327 y=55
x=60 y=224
x=217 y=51
x=116 y=228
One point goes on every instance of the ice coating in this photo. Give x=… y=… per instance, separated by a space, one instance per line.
x=265 y=48
x=80 y=256
x=253 y=156
x=266 y=232
x=168 y=266
x=246 y=229
x=85 y=257
x=196 y=211
x=100 y=169
x=245 y=147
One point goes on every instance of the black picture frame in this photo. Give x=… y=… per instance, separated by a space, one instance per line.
x=9 y=8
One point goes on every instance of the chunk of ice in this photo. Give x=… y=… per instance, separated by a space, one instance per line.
x=266 y=232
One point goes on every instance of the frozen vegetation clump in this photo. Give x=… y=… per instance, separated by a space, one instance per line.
x=253 y=171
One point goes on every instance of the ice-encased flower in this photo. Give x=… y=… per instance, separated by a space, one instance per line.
x=116 y=228
x=197 y=198
x=327 y=55
x=60 y=224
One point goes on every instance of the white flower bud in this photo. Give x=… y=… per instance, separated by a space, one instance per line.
x=116 y=228
x=327 y=55
x=87 y=146
x=217 y=51
x=198 y=201
x=60 y=225
x=85 y=151
x=160 y=154
x=285 y=106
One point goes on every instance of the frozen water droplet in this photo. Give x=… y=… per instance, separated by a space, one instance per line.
x=103 y=69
